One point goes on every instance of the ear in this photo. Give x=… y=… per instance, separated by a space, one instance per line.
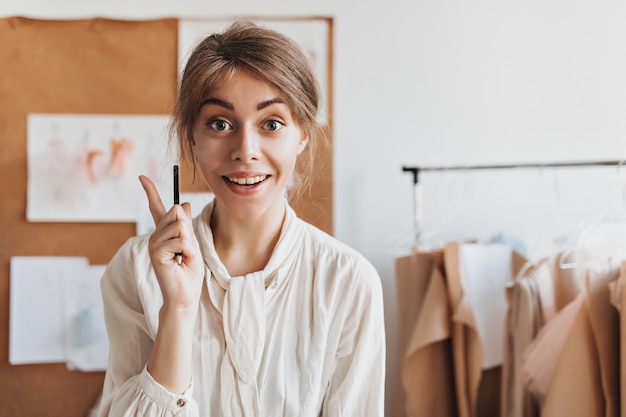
x=304 y=139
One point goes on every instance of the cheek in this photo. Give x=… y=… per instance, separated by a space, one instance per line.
x=289 y=163
x=284 y=154
x=209 y=148
x=206 y=157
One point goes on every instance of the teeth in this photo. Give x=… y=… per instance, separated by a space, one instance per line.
x=248 y=180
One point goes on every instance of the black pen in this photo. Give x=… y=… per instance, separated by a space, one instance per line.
x=179 y=256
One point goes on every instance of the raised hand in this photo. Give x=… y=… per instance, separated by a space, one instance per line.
x=181 y=283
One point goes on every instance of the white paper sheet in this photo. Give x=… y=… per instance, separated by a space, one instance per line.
x=486 y=269
x=36 y=322
x=56 y=313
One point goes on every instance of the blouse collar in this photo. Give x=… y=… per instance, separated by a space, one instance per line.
x=287 y=247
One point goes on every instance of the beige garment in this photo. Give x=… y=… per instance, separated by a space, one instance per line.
x=412 y=279
x=582 y=344
x=530 y=298
x=467 y=354
x=600 y=266
x=477 y=392
x=427 y=373
x=541 y=356
x=413 y=276
x=604 y=321
x=574 y=389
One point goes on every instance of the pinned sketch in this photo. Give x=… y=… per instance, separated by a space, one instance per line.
x=85 y=167
x=311 y=34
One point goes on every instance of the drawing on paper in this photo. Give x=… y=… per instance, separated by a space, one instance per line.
x=85 y=167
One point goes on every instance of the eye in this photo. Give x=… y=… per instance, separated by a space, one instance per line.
x=273 y=125
x=220 y=125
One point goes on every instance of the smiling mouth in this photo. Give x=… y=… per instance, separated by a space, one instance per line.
x=248 y=180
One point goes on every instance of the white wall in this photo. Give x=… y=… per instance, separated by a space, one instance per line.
x=438 y=82
x=446 y=82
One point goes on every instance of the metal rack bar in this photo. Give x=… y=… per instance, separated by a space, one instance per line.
x=415 y=170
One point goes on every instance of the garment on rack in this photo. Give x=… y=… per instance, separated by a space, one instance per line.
x=467 y=353
x=477 y=390
x=583 y=381
x=570 y=367
x=541 y=356
x=412 y=278
x=604 y=321
x=530 y=299
x=486 y=270
x=426 y=370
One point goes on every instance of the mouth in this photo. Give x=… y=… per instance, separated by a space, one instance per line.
x=247 y=181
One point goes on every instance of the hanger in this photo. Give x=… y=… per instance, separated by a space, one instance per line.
x=603 y=232
x=419 y=238
x=555 y=233
x=456 y=224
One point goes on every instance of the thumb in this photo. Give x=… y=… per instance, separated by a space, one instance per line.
x=157 y=209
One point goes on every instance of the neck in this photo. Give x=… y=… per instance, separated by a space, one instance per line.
x=246 y=245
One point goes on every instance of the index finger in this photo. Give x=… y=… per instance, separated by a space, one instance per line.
x=155 y=204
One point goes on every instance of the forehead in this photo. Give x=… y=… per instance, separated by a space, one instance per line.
x=244 y=91
x=231 y=78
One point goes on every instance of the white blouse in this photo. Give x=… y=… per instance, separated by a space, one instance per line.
x=303 y=337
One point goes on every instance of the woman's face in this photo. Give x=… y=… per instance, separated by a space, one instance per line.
x=246 y=143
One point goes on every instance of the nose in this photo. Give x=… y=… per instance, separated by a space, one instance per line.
x=246 y=145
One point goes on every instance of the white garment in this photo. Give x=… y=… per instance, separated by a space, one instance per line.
x=303 y=337
x=486 y=270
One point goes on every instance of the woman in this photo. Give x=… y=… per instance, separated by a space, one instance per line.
x=245 y=310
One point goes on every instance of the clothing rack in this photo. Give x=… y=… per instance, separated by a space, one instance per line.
x=417 y=191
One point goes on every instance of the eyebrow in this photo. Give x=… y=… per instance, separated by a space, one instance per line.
x=230 y=106
x=218 y=102
x=269 y=102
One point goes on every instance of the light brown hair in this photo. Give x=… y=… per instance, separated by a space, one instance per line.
x=265 y=53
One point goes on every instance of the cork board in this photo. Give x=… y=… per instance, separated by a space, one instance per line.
x=84 y=66
x=93 y=66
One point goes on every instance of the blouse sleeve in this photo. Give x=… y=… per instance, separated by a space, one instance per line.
x=129 y=389
x=357 y=384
